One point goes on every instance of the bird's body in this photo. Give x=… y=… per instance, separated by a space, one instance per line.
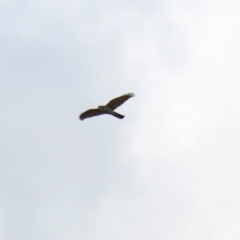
x=105 y=109
x=108 y=108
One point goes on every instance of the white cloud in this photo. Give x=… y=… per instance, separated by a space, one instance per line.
x=190 y=118
x=169 y=170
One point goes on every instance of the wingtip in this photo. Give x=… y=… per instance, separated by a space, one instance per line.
x=130 y=94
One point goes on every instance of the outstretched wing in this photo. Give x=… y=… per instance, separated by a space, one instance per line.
x=90 y=113
x=116 y=102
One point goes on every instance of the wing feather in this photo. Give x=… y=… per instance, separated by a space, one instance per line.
x=116 y=102
x=90 y=113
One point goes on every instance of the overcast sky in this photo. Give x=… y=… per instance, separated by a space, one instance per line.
x=169 y=170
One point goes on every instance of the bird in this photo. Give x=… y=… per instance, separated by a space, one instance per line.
x=108 y=108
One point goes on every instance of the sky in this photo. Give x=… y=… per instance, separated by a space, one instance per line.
x=169 y=170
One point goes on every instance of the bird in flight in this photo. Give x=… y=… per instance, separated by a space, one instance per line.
x=108 y=108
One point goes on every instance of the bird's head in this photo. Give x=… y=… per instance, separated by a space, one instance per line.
x=101 y=108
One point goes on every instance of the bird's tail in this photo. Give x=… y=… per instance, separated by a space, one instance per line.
x=115 y=114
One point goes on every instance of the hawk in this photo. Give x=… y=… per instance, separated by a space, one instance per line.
x=108 y=108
